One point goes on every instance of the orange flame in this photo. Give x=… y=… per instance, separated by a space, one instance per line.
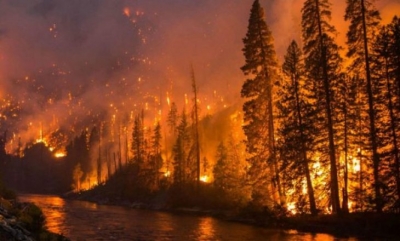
x=127 y=12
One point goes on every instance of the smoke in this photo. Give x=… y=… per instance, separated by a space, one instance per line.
x=67 y=65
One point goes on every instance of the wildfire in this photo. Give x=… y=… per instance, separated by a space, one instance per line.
x=204 y=178
x=356 y=165
x=317 y=167
x=167 y=174
x=60 y=154
x=291 y=207
x=127 y=12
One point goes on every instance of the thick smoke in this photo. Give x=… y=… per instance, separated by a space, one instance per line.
x=70 y=64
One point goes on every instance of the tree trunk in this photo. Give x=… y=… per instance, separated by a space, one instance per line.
x=310 y=189
x=345 y=204
x=332 y=156
x=375 y=156
x=196 y=126
x=393 y=130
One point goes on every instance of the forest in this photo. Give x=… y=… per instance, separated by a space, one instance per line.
x=317 y=133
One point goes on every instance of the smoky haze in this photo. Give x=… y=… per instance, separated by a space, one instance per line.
x=70 y=64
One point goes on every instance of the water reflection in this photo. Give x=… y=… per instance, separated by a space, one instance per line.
x=53 y=209
x=205 y=229
x=80 y=220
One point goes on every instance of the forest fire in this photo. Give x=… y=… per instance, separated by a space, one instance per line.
x=356 y=165
x=127 y=108
x=60 y=154
x=205 y=178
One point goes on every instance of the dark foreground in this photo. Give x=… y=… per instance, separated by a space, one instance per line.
x=23 y=222
x=371 y=226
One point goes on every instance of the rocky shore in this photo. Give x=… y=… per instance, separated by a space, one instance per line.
x=11 y=229
x=23 y=222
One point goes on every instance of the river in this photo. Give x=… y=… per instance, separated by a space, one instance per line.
x=80 y=220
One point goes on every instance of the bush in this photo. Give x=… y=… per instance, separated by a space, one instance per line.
x=31 y=218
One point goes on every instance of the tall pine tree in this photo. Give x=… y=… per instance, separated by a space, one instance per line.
x=261 y=70
x=322 y=62
x=364 y=19
x=296 y=129
x=383 y=69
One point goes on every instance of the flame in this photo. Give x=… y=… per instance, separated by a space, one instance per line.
x=40 y=140
x=167 y=174
x=350 y=206
x=60 y=154
x=291 y=207
x=356 y=165
x=204 y=178
x=304 y=187
x=317 y=168
x=127 y=12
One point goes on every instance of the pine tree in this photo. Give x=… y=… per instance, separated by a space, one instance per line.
x=322 y=62
x=94 y=145
x=355 y=139
x=172 y=119
x=296 y=130
x=394 y=29
x=220 y=167
x=156 y=152
x=77 y=154
x=364 y=19
x=230 y=171
x=346 y=131
x=386 y=112
x=180 y=151
x=77 y=177
x=138 y=141
x=261 y=70
x=196 y=127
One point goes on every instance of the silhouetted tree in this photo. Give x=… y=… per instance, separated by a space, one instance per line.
x=296 y=130
x=261 y=70
x=181 y=151
x=156 y=153
x=364 y=19
x=322 y=64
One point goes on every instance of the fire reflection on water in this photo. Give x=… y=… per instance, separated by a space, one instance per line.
x=206 y=229
x=80 y=220
x=54 y=213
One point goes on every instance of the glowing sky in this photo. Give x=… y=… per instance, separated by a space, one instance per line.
x=71 y=60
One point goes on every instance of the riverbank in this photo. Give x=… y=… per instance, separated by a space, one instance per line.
x=22 y=221
x=361 y=225
x=384 y=226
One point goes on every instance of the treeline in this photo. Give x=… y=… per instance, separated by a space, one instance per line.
x=164 y=160
x=322 y=135
x=319 y=135
x=34 y=169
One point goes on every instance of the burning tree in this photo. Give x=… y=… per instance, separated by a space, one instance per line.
x=322 y=62
x=385 y=67
x=261 y=70
x=364 y=19
x=296 y=130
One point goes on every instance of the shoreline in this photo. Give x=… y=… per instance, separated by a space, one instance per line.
x=354 y=225
x=24 y=221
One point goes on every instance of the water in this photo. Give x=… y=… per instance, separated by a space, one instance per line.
x=80 y=220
